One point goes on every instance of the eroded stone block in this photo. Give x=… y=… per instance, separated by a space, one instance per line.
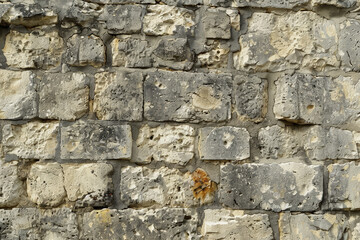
x=336 y=3
x=269 y=3
x=349 y=46
x=183 y=2
x=216 y=24
x=215 y=57
x=11 y=187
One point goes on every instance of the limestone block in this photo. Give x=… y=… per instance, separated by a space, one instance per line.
x=167 y=20
x=131 y=52
x=165 y=223
x=224 y=143
x=18 y=95
x=63 y=96
x=166 y=143
x=216 y=24
x=96 y=141
x=276 y=187
x=336 y=3
x=269 y=3
x=45 y=184
x=81 y=12
x=33 y=140
x=183 y=2
x=37 y=49
x=119 y=95
x=11 y=187
x=85 y=50
x=182 y=96
x=349 y=47
x=88 y=184
x=234 y=224
x=250 y=97
x=215 y=57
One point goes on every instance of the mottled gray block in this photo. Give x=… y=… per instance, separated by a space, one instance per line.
x=183 y=2
x=250 y=97
x=182 y=96
x=349 y=45
x=119 y=95
x=11 y=187
x=275 y=187
x=224 y=143
x=165 y=223
x=336 y=3
x=96 y=140
x=216 y=24
x=63 y=96
x=123 y=1
x=289 y=4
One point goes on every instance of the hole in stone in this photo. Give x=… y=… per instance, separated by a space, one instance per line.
x=310 y=107
x=151 y=137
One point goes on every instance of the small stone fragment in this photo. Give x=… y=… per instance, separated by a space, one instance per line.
x=215 y=57
x=216 y=24
x=204 y=188
x=11 y=187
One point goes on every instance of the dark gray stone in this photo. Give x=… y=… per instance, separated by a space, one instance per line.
x=288 y=4
x=336 y=3
x=183 y=2
x=349 y=45
x=216 y=24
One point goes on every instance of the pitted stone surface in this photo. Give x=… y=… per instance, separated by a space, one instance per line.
x=95 y=140
x=216 y=24
x=216 y=57
x=336 y=3
x=175 y=96
x=33 y=140
x=166 y=143
x=37 y=49
x=269 y=3
x=18 y=95
x=11 y=187
x=234 y=224
x=165 y=223
x=276 y=187
x=63 y=96
x=224 y=143
x=349 y=46
x=119 y=96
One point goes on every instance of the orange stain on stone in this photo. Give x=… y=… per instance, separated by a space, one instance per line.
x=203 y=185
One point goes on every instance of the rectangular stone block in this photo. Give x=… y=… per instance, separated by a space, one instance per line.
x=63 y=96
x=275 y=187
x=349 y=47
x=11 y=186
x=224 y=143
x=216 y=24
x=182 y=96
x=96 y=140
x=119 y=95
x=235 y=224
x=18 y=95
x=33 y=140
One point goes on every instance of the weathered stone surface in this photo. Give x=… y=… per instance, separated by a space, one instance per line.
x=336 y=3
x=33 y=140
x=95 y=140
x=131 y=52
x=234 y=224
x=88 y=184
x=81 y=12
x=119 y=95
x=216 y=24
x=85 y=50
x=349 y=46
x=37 y=49
x=18 y=95
x=165 y=223
x=250 y=97
x=296 y=39
x=224 y=143
x=183 y=2
x=316 y=227
x=11 y=188
x=45 y=184
x=170 y=144
x=63 y=96
x=276 y=187
x=123 y=1
x=215 y=57
x=269 y=3
x=167 y=20
x=180 y=96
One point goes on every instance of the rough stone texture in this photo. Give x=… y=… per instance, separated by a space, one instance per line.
x=166 y=143
x=175 y=96
x=11 y=187
x=63 y=96
x=165 y=223
x=276 y=187
x=216 y=57
x=349 y=46
x=18 y=95
x=123 y=1
x=269 y=3
x=85 y=50
x=88 y=184
x=250 y=97
x=33 y=140
x=216 y=24
x=234 y=224
x=167 y=20
x=45 y=184
x=224 y=143
x=336 y=3
x=119 y=96
x=183 y=2
x=95 y=140
x=37 y=49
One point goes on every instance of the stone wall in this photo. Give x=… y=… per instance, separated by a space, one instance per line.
x=180 y=119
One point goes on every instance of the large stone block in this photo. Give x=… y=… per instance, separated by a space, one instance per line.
x=96 y=140
x=181 y=96
x=234 y=224
x=37 y=49
x=11 y=187
x=33 y=140
x=216 y=24
x=349 y=46
x=276 y=187
x=18 y=95
x=119 y=96
x=336 y=3
x=63 y=96
x=167 y=20
x=224 y=143
x=165 y=223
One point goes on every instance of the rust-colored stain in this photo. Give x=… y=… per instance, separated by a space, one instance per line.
x=203 y=185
